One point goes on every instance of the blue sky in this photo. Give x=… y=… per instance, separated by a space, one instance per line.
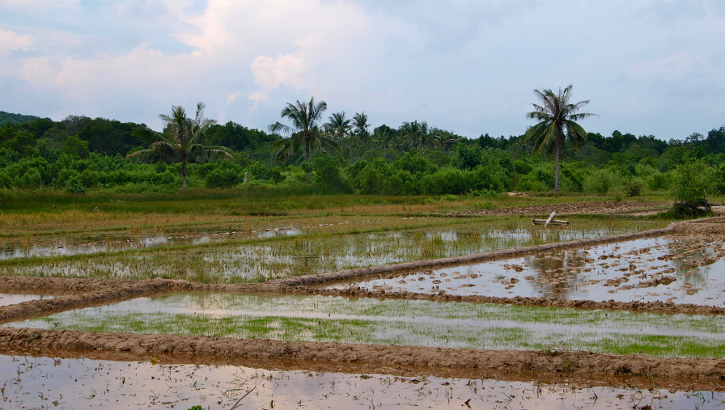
x=649 y=67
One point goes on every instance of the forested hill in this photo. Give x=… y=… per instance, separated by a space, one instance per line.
x=10 y=118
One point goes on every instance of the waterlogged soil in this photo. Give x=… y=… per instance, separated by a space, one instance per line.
x=273 y=259
x=685 y=268
x=73 y=383
x=399 y=322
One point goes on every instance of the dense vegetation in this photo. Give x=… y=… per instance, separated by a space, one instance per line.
x=80 y=153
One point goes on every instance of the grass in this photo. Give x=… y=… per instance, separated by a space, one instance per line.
x=401 y=322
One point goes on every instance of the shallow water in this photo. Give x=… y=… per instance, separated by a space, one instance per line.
x=620 y=271
x=86 y=245
x=264 y=260
x=400 y=322
x=11 y=299
x=42 y=382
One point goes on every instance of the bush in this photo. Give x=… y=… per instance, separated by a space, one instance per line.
x=227 y=174
x=599 y=182
x=691 y=182
x=75 y=185
x=659 y=181
x=633 y=187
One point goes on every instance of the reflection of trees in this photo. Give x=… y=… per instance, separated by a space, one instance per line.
x=554 y=278
x=686 y=255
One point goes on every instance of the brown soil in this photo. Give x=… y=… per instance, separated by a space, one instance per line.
x=603 y=208
x=122 y=346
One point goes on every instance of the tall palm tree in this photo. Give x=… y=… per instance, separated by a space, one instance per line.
x=557 y=125
x=338 y=126
x=182 y=140
x=416 y=133
x=304 y=131
x=360 y=122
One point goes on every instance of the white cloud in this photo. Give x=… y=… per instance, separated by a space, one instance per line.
x=11 y=41
x=45 y=4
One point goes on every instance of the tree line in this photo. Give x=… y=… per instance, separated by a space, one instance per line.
x=342 y=154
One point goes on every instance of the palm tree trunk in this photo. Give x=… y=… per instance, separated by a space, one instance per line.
x=307 y=158
x=558 y=166
x=183 y=174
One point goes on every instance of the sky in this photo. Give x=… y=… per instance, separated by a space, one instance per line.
x=648 y=67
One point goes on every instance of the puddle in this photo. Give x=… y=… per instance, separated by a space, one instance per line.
x=11 y=299
x=295 y=256
x=681 y=269
x=400 y=322
x=41 y=382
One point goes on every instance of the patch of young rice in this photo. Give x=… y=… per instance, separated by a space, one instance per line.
x=401 y=322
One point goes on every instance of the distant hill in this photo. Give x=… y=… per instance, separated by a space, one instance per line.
x=9 y=118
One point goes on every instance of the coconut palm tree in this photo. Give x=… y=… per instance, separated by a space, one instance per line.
x=338 y=126
x=557 y=125
x=182 y=140
x=416 y=133
x=360 y=122
x=304 y=133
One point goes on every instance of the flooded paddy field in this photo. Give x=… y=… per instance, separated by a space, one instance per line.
x=682 y=268
x=399 y=322
x=297 y=251
x=71 y=383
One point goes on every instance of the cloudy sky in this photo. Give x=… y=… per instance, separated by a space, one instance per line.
x=649 y=67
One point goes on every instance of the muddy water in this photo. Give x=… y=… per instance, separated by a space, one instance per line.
x=682 y=269
x=42 y=382
x=399 y=322
x=11 y=299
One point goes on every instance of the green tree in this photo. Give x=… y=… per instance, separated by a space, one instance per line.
x=415 y=133
x=360 y=123
x=338 y=126
x=557 y=125
x=182 y=140
x=304 y=133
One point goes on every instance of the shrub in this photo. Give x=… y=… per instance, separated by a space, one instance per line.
x=227 y=174
x=75 y=185
x=691 y=182
x=633 y=187
x=599 y=182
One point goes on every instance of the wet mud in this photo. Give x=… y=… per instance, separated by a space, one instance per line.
x=512 y=361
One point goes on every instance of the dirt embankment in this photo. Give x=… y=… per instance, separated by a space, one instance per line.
x=599 y=208
x=196 y=349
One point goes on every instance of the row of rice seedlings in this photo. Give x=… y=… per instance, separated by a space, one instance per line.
x=402 y=322
x=263 y=260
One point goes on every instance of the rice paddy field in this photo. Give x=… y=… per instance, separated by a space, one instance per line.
x=677 y=268
x=46 y=382
x=181 y=245
x=400 y=322
x=295 y=250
